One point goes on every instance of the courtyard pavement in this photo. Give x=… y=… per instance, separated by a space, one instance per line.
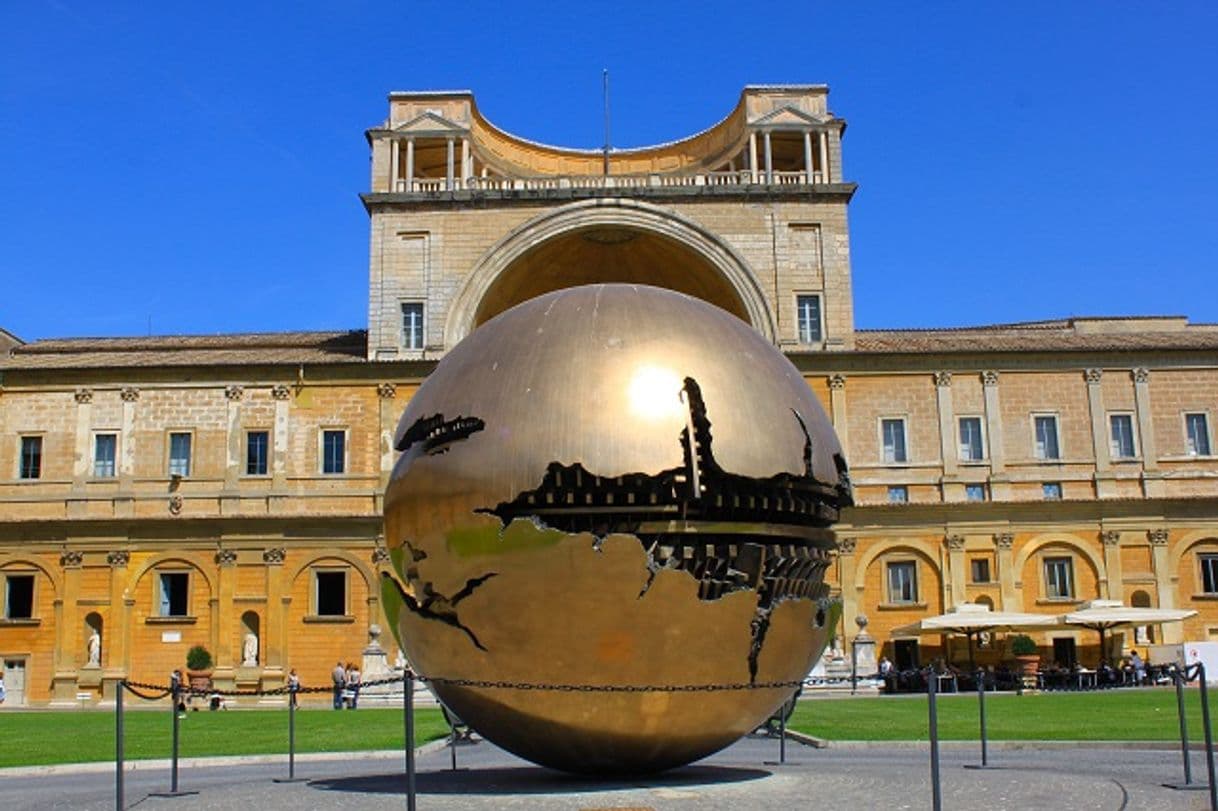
x=843 y=775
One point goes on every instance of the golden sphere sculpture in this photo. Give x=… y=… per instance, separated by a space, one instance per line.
x=613 y=486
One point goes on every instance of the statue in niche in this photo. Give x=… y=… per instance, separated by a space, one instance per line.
x=94 y=649
x=249 y=650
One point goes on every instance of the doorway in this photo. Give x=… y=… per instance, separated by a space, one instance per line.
x=14 y=682
x=905 y=654
x=1064 y=651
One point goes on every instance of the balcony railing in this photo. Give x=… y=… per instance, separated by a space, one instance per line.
x=429 y=185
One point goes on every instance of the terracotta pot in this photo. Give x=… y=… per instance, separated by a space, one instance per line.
x=1028 y=664
x=199 y=680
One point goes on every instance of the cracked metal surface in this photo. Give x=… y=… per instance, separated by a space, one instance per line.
x=636 y=489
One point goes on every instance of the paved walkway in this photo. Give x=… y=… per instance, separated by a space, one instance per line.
x=740 y=777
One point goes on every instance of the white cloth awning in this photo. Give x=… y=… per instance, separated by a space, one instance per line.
x=972 y=618
x=1103 y=614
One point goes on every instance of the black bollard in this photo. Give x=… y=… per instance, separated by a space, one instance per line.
x=1178 y=677
x=932 y=684
x=1209 y=736
x=408 y=707
x=452 y=745
x=175 y=686
x=291 y=778
x=985 y=760
x=119 y=803
x=782 y=734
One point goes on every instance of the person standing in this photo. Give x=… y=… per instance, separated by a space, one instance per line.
x=353 y=684
x=1139 y=667
x=3 y=692
x=339 y=677
x=293 y=687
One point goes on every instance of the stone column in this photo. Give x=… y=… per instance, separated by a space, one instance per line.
x=409 y=164
x=395 y=154
x=450 y=168
x=850 y=595
x=279 y=442
x=952 y=491
x=824 y=157
x=232 y=468
x=386 y=397
x=467 y=166
x=753 y=156
x=837 y=405
x=1114 y=582
x=1000 y=486
x=809 y=170
x=1173 y=632
x=1004 y=543
x=955 y=554
x=274 y=632
x=769 y=159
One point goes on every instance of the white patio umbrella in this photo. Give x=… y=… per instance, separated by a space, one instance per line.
x=971 y=619
x=1104 y=615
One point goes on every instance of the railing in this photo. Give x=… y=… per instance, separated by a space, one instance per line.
x=639 y=181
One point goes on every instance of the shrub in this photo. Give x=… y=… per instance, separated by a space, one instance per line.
x=198 y=658
x=1023 y=645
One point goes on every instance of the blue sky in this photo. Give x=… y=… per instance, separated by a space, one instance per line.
x=195 y=168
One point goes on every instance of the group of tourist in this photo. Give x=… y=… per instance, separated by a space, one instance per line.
x=347 y=681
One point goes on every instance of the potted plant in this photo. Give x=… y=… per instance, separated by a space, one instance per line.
x=199 y=668
x=1026 y=653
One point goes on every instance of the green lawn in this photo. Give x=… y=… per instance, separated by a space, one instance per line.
x=1109 y=715
x=36 y=738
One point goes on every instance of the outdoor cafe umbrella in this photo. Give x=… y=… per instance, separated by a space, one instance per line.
x=1104 y=615
x=971 y=619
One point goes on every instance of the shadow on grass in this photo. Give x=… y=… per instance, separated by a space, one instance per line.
x=534 y=780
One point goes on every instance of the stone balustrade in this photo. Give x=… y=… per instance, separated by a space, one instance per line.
x=427 y=186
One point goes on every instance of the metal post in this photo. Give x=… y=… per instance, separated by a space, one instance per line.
x=118 y=746
x=408 y=706
x=452 y=745
x=932 y=691
x=1209 y=736
x=854 y=666
x=981 y=709
x=782 y=733
x=1178 y=678
x=292 y=732
x=175 y=685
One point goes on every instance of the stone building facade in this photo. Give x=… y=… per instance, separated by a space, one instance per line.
x=159 y=493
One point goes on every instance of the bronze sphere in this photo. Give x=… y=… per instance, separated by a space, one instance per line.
x=613 y=486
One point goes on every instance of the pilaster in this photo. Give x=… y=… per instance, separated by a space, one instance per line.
x=1004 y=543
x=1152 y=484
x=1000 y=486
x=837 y=405
x=232 y=468
x=952 y=490
x=275 y=633
x=1114 y=584
x=846 y=567
x=1173 y=632
x=955 y=555
x=279 y=452
x=386 y=399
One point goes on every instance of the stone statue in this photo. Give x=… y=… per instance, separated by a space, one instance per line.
x=249 y=650
x=94 y=649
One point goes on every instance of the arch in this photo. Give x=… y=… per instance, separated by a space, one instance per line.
x=1140 y=599
x=1066 y=539
x=925 y=551
x=1186 y=543
x=619 y=213
x=370 y=581
x=196 y=562
x=985 y=600
x=16 y=560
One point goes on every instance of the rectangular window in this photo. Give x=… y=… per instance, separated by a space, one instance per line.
x=892 y=433
x=1209 y=573
x=807 y=309
x=980 y=568
x=1121 y=433
x=1052 y=491
x=974 y=492
x=257 y=443
x=105 y=450
x=1197 y=428
x=175 y=587
x=19 y=597
x=333 y=451
x=331 y=593
x=1059 y=578
x=903 y=582
x=898 y=494
x=31 y=457
x=1046 y=437
x=179 y=454
x=972 y=449
x=412 y=324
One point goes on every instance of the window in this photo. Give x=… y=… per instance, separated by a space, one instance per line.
x=331 y=593
x=892 y=433
x=333 y=451
x=972 y=449
x=1196 y=426
x=980 y=569
x=807 y=311
x=19 y=597
x=179 y=454
x=175 y=587
x=1209 y=573
x=256 y=444
x=1059 y=578
x=898 y=494
x=1046 y=437
x=412 y=324
x=974 y=492
x=105 y=448
x=31 y=457
x=1052 y=491
x=1121 y=432
x=903 y=582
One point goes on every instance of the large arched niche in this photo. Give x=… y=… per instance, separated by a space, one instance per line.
x=598 y=241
